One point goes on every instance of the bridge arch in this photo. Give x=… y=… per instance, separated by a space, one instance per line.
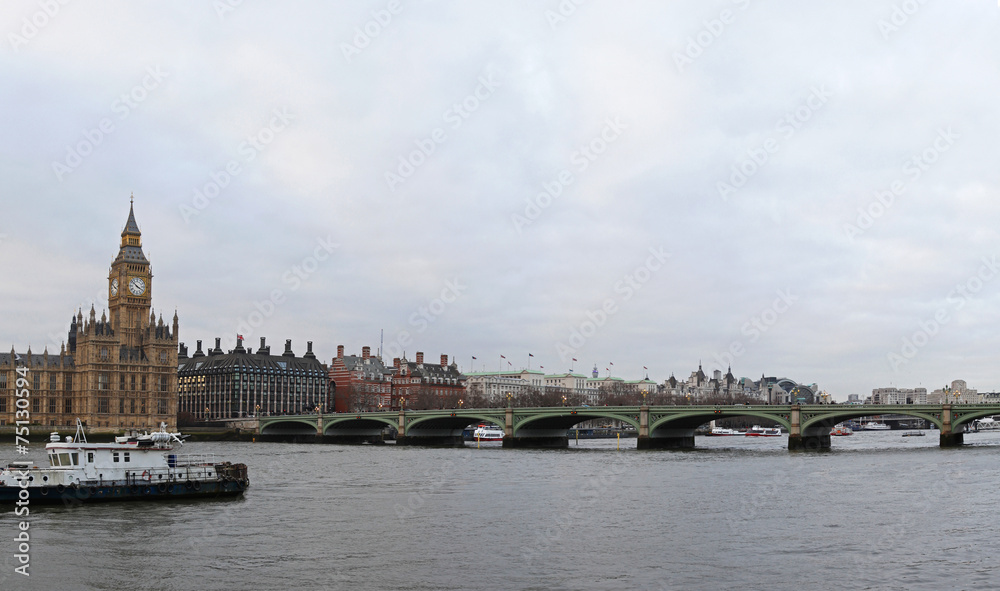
x=289 y=426
x=693 y=419
x=823 y=420
x=454 y=421
x=562 y=418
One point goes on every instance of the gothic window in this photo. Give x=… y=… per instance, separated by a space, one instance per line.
x=35 y=404
x=52 y=404
x=3 y=402
x=36 y=381
x=131 y=406
x=68 y=382
x=121 y=382
x=161 y=406
x=163 y=383
x=102 y=404
x=104 y=353
x=143 y=385
x=163 y=356
x=68 y=404
x=102 y=381
x=121 y=406
x=52 y=381
x=133 y=382
x=3 y=381
x=142 y=408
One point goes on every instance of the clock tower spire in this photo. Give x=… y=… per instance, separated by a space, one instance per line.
x=130 y=284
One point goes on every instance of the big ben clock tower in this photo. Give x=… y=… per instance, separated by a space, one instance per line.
x=130 y=284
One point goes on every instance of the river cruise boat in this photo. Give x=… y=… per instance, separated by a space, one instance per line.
x=134 y=467
x=841 y=430
x=487 y=433
x=723 y=432
x=986 y=424
x=875 y=426
x=758 y=431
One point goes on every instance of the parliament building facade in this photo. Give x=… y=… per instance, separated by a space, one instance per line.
x=115 y=372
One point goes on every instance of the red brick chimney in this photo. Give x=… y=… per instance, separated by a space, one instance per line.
x=340 y=351
x=366 y=352
x=420 y=357
x=395 y=362
x=444 y=360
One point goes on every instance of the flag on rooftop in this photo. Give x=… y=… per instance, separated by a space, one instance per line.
x=530 y=355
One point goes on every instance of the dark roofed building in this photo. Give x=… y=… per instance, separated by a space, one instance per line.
x=243 y=383
x=430 y=385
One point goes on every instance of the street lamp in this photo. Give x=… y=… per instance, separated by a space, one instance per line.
x=564 y=400
x=510 y=398
x=459 y=404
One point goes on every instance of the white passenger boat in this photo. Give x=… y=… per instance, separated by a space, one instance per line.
x=758 y=431
x=488 y=433
x=875 y=426
x=986 y=424
x=133 y=467
x=723 y=432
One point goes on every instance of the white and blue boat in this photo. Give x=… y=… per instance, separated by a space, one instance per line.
x=134 y=467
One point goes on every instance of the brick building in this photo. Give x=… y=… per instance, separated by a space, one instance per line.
x=360 y=383
x=416 y=383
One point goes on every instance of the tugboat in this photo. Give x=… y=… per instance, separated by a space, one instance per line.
x=134 y=467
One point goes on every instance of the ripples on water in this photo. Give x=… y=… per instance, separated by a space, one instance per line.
x=877 y=512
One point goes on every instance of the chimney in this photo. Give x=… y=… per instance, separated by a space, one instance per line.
x=444 y=361
x=340 y=351
x=395 y=362
x=288 y=349
x=309 y=351
x=366 y=352
x=420 y=357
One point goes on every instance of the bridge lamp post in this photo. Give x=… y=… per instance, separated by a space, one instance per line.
x=564 y=400
x=510 y=399
x=459 y=404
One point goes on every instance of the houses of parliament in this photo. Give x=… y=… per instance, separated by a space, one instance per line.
x=114 y=372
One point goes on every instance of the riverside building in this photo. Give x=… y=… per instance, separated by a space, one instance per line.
x=242 y=383
x=113 y=373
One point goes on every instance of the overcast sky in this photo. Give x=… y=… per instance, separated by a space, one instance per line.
x=800 y=189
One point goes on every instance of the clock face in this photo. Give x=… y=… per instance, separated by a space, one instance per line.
x=137 y=286
x=114 y=287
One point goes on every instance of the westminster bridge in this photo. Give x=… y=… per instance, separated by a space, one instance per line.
x=658 y=427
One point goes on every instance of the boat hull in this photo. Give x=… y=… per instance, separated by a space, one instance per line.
x=72 y=495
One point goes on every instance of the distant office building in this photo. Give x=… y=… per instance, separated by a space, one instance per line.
x=957 y=393
x=360 y=382
x=853 y=399
x=571 y=384
x=114 y=372
x=893 y=395
x=494 y=386
x=243 y=383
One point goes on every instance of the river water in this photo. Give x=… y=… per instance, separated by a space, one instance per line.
x=879 y=511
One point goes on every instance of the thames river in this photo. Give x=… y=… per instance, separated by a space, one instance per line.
x=879 y=511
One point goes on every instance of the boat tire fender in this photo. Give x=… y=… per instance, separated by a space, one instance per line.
x=145 y=490
x=162 y=487
x=60 y=488
x=44 y=490
x=197 y=485
x=188 y=485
